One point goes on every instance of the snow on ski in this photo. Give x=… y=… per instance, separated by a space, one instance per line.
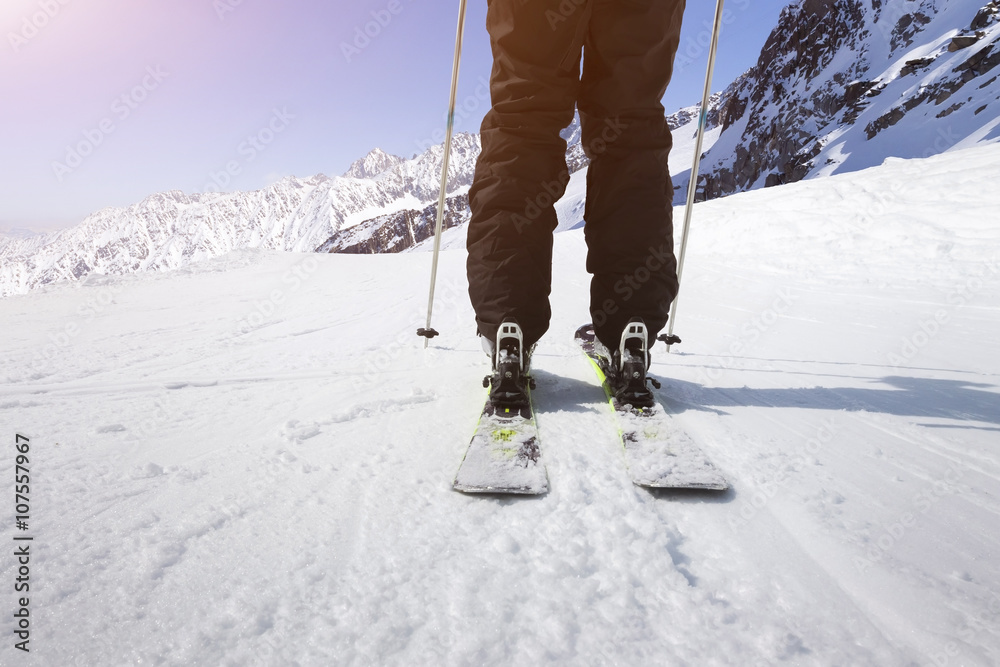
x=503 y=456
x=658 y=453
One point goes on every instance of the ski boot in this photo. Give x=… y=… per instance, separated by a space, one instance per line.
x=629 y=364
x=510 y=381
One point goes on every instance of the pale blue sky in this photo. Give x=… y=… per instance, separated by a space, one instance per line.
x=165 y=95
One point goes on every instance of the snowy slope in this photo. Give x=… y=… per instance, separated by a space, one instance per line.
x=248 y=460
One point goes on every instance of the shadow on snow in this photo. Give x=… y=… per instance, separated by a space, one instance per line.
x=904 y=396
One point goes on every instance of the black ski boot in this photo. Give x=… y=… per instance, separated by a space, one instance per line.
x=510 y=381
x=629 y=364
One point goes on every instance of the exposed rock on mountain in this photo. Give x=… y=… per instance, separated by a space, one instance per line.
x=842 y=84
x=395 y=232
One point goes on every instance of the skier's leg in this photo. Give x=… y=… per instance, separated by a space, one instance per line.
x=522 y=169
x=627 y=63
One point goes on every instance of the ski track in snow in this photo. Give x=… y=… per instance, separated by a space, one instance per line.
x=222 y=477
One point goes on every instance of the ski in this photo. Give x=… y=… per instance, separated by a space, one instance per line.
x=503 y=456
x=658 y=454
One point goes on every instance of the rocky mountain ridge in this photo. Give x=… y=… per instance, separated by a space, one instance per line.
x=835 y=81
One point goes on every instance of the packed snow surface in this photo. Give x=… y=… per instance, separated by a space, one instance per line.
x=249 y=460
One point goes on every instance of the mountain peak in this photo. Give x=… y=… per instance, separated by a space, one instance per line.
x=376 y=162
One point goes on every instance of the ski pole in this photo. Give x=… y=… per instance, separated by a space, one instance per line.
x=670 y=338
x=427 y=332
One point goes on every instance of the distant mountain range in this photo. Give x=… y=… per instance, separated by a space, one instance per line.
x=839 y=86
x=170 y=229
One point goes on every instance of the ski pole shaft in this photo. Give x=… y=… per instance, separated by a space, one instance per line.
x=428 y=332
x=696 y=163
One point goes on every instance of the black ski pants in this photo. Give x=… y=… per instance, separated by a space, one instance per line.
x=627 y=48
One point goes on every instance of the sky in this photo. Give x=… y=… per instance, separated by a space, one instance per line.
x=107 y=101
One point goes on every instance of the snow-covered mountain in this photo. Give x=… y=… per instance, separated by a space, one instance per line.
x=842 y=84
x=171 y=229
x=402 y=230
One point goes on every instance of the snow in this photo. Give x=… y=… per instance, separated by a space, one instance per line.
x=249 y=460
